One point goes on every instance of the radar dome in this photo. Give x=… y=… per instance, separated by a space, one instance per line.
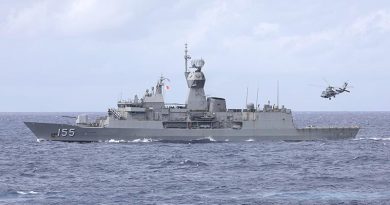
x=197 y=63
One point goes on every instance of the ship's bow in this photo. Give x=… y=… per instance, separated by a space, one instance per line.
x=45 y=131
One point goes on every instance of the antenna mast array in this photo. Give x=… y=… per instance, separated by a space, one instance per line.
x=246 y=98
x=186 y=58
x=277 y=94
x=257 y=98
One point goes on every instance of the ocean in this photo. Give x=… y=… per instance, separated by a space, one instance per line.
x=355 y=171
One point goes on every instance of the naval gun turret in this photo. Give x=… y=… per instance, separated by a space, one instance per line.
x=195 y=78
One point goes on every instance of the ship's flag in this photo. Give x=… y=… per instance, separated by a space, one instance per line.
x=167 y=87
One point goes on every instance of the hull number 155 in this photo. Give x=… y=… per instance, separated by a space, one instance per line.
x=65 y=132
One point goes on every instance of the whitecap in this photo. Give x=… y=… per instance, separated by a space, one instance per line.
x=24 y=193
x=143 y=140
x=21 y=192
x=192 y=163
x=211 y=139
x=115 y=141
x=250 y=140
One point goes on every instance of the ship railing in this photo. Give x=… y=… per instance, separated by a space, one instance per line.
x=192 y=124
x=174 y=105
x=114 y=112
x=234 y=110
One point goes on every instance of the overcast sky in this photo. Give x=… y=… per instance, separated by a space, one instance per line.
x=83 y=55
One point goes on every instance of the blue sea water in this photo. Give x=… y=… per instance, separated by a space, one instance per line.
x=355 y=171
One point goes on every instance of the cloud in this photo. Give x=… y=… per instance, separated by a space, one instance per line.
x=265 y=28
x=246 y=40
x=205 y=21
x=298 y=42
x=378 y=21
x=93 y=15
x=67 y=17
x=374 y=23
x=29 y=20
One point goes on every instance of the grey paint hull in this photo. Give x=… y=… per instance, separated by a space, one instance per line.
x=48 y=131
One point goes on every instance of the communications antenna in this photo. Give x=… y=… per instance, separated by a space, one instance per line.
x=277 y=94
x=186 y=58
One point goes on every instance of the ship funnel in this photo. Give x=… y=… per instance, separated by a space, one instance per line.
x=215 y=104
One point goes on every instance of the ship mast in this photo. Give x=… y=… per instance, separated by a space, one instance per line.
x=277 y=94
x=195 y=78
x=186 y=58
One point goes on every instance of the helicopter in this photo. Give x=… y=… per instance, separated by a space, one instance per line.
x=332 y=91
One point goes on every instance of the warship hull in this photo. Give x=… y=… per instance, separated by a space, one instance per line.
x=53 y=132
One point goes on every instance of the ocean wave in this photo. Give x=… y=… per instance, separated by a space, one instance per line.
x=26 y=192
x=40 y=140
x=115 y=141
x=193 y=163
x=374 y=138
x=211 y=139
x=124 y=141
x=143 y=140
x=186 y=162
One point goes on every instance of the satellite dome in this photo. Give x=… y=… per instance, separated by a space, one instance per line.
x=197 y=63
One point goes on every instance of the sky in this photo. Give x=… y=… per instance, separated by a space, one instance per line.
x=85 y=55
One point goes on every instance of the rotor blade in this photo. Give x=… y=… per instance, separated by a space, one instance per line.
x=314 y=85
x=327 y=82
x=349 y=84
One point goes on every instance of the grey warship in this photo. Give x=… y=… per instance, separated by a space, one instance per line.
x=200 y=118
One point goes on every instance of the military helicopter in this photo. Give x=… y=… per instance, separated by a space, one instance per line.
x=332 y=91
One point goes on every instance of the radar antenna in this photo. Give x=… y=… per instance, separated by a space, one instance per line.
x=277 y=94
x=198 y=64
